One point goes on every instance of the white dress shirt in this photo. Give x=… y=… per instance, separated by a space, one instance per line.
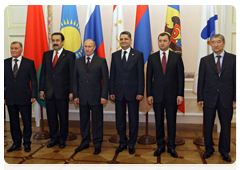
x=59 y=53
x=127 y=54
x=161 y=55
x=91 y=56
x=18 y=62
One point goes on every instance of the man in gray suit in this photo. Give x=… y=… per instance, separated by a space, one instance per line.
x=90 y=91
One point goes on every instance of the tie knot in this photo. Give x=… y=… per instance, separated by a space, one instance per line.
x=125 y=52
x=218 y=56
x=163 y=53
x=88 y=58
x=16 y=60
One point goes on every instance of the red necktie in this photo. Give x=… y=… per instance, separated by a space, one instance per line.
x=55 y=59
x=88 y=61
x=218 y=64
x=164 y=63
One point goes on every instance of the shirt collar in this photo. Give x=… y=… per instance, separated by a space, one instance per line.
x=222 y=54
x=128 y=50
x=91 y=56
x=19 y=58
x=166 y=52
x=59 y=51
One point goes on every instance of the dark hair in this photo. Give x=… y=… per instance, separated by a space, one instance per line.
x=17 y=42
x=163 y=34
x=219 y=36
x=126 y=32
x=59 y=33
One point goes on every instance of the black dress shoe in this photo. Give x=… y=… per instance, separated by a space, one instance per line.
x=27 y=148
x=121 y=148
x=14 y=147
x=173 y=153
x=52 y=144
x=131 y=150
x=81 y=147
x=159 y=151
x=207 y=154
x=226 y=157
x=97 y=150
x=62 y=144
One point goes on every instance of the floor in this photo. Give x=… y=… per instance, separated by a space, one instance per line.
x=189 y=153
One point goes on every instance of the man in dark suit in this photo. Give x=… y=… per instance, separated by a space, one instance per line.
x=217 y=91
x=90 y=93
x=165 y=90
x=18 y=95
x=127 y=87
x=56 y=81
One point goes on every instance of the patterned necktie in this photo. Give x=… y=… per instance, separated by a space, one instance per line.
x=124 y=62
x=15 y=68
x=164 y=63
x=218 y=64
x=88 y=61
x=55 y=59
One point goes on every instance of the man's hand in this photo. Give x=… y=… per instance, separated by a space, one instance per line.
x=103 y=101
x=112 y=97
x=76 y=101
x=33 y=100
x=70 y=96
x=200 y=103
x=42 y=95
x=150 y=100
x=234 y=104
x=179 y=100
x=139 y=97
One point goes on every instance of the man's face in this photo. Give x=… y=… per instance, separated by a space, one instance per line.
x=57 y=42
x=125 y=41
x=163 y=42
x=16 y=50
x=89 y=47
x=217 y=45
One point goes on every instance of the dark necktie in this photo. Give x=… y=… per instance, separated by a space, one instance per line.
x=55 y=59
x=218 y=64
x=164 y=63
x=88 y=61
x=15 y=68
x=124 y=62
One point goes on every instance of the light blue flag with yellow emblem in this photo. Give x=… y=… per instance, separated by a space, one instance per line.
x=70 y=28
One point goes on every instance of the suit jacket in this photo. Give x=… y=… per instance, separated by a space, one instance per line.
x=87 y=84
x=171 y=84
x=128 y=82
x=211 y=86
x=57 y=80
x=17 y=90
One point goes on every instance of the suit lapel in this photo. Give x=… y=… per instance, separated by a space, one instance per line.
x=10 y=67
x=225 y=62
x=169 y=60
x=61 y=57
x=92 y=61
x=130 y=58
x=159 y=62
x=212 y=63
x=118 y=58
x=84 y=62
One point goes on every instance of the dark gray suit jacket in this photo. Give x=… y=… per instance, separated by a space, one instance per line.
x=91 y=84
x=17 y=90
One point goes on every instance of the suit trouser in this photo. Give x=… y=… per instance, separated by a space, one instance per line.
x=26 y=113
x=97 y=124
x=133 y=117
x=57 y=108
x=225 y=117
x=171 y=111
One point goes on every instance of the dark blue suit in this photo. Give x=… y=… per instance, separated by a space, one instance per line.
x=18 y=94
x=126 y=84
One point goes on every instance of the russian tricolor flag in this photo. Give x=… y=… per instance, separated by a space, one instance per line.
x=93 y=29
x=143 y=43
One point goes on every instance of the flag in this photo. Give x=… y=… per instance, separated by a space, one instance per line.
x=93 y=29
x=143 y=42
x=70 y=28
x=208 y=27
x=36 y=40
x=117 y=27
x=173 y=27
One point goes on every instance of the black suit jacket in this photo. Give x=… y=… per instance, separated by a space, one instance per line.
x=171 y=84
x=87 y=81
x=17 y=90
x=57 y=80
x=211 y=86
x=128 y=82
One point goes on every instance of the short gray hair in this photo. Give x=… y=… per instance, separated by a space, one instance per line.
x=17 y=42
x=219 y=36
